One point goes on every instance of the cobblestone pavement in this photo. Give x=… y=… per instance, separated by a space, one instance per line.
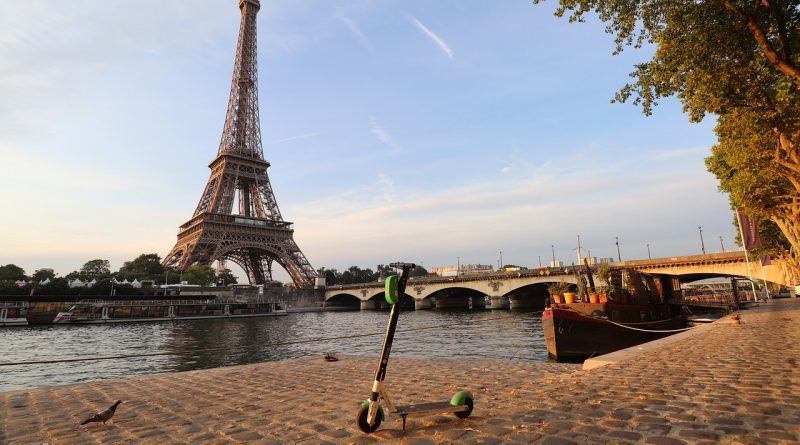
x=735 y=383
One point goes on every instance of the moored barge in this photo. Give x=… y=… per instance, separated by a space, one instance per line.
x=121 y=311
x=577 y=331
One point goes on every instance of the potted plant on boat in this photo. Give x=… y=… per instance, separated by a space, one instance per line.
x=557 y=291
x=603 y=272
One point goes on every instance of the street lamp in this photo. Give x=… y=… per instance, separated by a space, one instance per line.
x=702 y=244
x=553 y=264
x=721 y=244
x=458 y=272
x=648 y=252
x=616 y=241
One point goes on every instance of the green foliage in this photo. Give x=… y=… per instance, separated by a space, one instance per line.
x=95 y=269
x=145 y=266
x=603 y=273
x=42 y=274
x=355 y=275
x=199 y=274
x=12 y=272
x=226 y=277
x=419 y=271
x=558 y=287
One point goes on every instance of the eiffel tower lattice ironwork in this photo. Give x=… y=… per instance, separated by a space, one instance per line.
x=257 y=235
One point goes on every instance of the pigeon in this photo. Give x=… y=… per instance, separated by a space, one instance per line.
x=103 y=416
x=330 y=357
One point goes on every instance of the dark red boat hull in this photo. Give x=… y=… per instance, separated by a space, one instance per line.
x=576 y=332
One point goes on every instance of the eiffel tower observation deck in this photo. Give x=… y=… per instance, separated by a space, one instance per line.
x=237 y=218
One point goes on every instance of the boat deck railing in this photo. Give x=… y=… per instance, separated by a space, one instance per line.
x=171 y=302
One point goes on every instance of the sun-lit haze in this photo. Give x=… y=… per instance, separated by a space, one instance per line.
x=396 y=130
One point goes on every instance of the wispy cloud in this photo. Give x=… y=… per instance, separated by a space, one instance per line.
x=290 y=138
x=435 y=38
x=383 y=136
x=353 y=27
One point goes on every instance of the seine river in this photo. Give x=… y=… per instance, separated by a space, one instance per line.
x=506 y=335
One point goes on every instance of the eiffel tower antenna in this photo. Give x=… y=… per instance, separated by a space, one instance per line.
x=256 y=235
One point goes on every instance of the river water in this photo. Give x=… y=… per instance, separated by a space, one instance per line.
x=505 y=335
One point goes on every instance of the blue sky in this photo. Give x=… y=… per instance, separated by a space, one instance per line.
x=397 y=130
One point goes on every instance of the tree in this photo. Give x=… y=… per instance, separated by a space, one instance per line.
x=733 y=58
x=12 y=272
x=147 y=266
x=419 y=271
x=95 y=269
x=43 y=274
x=227 y=277
x=199 y=274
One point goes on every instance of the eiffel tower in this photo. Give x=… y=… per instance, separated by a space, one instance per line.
x=256 y=235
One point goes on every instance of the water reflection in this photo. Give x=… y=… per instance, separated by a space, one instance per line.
x=452 y=334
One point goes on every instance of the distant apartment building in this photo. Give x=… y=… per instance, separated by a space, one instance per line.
x=556 y=263
x=451 y=271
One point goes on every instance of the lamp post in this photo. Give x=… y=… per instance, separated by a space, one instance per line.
x=501 y=259
x=553 y=247
x=721 y=244
x=166 y=282
x=458 y=272
x=648 y=252
x=540 y=261
x=702 y=244
x=616 y=241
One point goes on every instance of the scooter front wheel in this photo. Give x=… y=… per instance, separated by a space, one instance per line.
x=361 y=419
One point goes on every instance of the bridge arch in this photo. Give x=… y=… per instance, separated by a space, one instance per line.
x=344 y=301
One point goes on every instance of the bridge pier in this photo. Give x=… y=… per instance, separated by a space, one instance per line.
x=369 y=305
x=498 y=303
x=425 y=303
x=477 y=302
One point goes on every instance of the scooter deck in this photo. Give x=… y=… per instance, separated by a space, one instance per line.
x=420 y=409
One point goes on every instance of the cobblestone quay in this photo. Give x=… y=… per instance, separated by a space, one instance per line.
x=732 y=383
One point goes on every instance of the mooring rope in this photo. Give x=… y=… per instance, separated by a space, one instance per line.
x=628 y=325
x=244 y=347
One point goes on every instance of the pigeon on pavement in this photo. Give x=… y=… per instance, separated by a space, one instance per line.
x=103 y=416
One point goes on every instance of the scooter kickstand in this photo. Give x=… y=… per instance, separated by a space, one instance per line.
x=404 y=421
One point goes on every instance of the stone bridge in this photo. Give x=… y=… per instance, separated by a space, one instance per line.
x=698 y=267
x=505 y=289
x=528 y=289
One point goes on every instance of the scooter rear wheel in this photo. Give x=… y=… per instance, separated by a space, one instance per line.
x=464 y=414
x=361 y=419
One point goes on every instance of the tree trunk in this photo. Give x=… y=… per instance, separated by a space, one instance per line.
x=787 y=214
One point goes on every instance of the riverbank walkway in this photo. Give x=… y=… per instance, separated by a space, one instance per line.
x=732 y=383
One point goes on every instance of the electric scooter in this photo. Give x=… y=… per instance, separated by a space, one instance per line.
x=371 y=414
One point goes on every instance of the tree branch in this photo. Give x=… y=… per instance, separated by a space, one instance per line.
x=783 y=65
x=783 y=36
